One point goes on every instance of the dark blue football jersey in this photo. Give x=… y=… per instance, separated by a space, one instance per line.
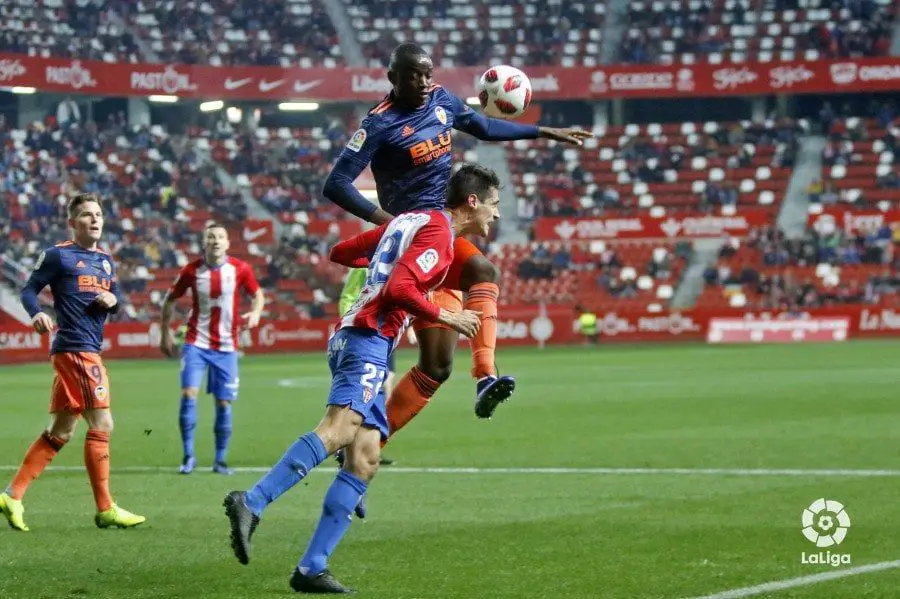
x=411 y=151
x=75 y=276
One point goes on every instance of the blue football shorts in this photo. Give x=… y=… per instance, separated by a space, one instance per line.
x=358 y=359
x=220 y=368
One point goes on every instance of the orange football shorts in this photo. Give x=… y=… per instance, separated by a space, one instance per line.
x=80 y=384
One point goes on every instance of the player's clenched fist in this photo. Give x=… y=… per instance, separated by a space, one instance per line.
x=107 y=300
x=42 y=323
x=465 y=323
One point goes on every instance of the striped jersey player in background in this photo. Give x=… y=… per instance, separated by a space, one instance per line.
x=406 y=259
x=211 y=342
x=82 y=279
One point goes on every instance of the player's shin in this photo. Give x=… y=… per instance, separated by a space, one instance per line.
x=38 y=457
x=222 y=430
x=482 y=297
x=187 y=420
x=96 y=460
x=306 y=453
x=409 y=397
x=340 y=501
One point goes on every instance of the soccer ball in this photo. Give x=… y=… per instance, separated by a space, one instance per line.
x=504 y=92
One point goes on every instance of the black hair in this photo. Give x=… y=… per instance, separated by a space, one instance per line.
x=468 y=179
x=406 y=55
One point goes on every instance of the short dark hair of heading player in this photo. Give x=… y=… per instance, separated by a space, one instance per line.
x=470 y=179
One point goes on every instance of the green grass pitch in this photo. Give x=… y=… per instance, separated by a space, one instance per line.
x=712 y=413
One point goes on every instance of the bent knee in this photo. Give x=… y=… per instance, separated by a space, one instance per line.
x=63 y=435
x=437 y=372
x=189 y=393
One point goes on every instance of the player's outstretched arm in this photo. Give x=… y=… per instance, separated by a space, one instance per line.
x=488 y=129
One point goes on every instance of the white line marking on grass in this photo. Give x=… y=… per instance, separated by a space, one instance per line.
x=802 y=581
x=583 y=471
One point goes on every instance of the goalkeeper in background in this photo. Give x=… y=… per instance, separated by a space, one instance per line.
x=356 y=278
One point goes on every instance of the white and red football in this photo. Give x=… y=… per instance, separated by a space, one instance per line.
x=504 y=92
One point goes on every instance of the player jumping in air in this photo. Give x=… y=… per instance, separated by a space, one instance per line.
x=211 y=342
x=407 y=138
x=410 y=256
x=83 y=282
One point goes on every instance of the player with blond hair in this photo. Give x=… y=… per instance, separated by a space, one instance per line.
x=82 y=279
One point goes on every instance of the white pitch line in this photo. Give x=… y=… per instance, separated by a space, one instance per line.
x=583 y=471
x=802 y=581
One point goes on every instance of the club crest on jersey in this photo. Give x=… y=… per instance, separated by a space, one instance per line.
x=356 y=142
x=107 y=267
x=427 y=260
x=441 y=115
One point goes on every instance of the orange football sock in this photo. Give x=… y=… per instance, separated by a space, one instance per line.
x=96 y=459
x=409 y=397
x=482 y=297
x=39 y=456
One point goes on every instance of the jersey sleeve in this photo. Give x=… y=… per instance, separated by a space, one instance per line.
x=484 y=128
x=350 y=164
x=364 y=142
x=248 y=280
x=423 y=262
x=184 y=282
x=355 y=252
x=46 y=269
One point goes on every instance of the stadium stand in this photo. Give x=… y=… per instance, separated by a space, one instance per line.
x=237 y=32
x=596 y=276
x=65 y=29
x=859 y=163
x=658 y=168
x=158 y=195
x=824 y=267
x=717 y=31
x=476 y=32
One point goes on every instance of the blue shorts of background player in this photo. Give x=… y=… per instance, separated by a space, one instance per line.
x=355 y=420
x=220 y=369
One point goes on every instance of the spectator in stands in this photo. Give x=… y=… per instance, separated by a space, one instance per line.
x=68 y=113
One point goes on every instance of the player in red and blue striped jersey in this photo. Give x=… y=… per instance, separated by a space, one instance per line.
x=82 y=279
x=405 y=259
x=408 y=140
x=210 y=346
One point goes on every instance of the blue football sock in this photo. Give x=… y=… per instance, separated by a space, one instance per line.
x=223 y=431
x=340 y=500
x=187 y=419
x=306 y=453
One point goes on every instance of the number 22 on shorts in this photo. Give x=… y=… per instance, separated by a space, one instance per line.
x=371 y=380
